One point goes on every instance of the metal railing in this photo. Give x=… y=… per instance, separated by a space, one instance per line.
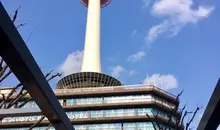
x=113 y=88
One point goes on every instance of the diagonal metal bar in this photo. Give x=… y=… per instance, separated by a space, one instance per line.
x=18 y=57
x=211 y=117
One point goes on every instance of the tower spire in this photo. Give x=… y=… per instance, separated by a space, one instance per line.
x=90 y=75
x=91 y=58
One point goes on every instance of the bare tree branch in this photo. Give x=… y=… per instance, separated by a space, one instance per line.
x=192 y=118
x=49 y=73
x=29 y=37
x=21 y=25
x=155 y=128
x=177 y=123
x=5 y=76
x=191 y=128
x=182 y=110
x=184 y=107
x=3 y=98
x=38 y=122
x=21 y=105
x=13 y=90
x=53 y=76
x=15 y=14
x=3 y=70
x=156 y=117
x=178 y=96
x=174 y=112
x=175 y=109
x=1 y=63
x=48 y=126
x=22 y=92
x=185 y=114
x=19 y=96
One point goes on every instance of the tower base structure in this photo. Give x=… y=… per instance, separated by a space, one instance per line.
x=87 y=80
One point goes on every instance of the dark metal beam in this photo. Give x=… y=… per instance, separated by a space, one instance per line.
x=18 y=57
x=211 y=117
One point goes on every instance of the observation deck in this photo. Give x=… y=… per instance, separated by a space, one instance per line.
x=102 y=2
x=87 y=80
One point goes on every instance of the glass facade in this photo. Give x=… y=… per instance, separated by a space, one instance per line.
x=115 y=126
x=106 y=100
x=95 y=114
x=103 y=115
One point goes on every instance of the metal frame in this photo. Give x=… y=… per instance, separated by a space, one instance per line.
x=18 y=57
x=87 y=80
x=211 y=117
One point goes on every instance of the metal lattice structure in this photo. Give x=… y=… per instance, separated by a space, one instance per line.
x=87 y=79
x=104 y=3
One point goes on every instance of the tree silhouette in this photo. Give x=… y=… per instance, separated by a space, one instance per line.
x=178 y=123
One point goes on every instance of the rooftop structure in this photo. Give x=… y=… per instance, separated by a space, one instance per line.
x=105 y=108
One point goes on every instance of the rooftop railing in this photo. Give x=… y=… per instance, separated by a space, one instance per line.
x=113 y=88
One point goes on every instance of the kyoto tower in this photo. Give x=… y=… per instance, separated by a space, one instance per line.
x=90 y=75
x=91 y=59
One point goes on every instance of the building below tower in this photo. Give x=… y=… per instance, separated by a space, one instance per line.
x=101 y=108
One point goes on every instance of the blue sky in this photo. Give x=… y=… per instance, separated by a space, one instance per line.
x=173 y=41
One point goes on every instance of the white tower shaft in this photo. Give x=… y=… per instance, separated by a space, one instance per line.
x=91 y=58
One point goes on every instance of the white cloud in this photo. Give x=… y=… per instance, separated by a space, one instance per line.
x=157 y=30
x=136 y=57
x=134 y=33
x=72 y=63
x=164 y=81
x=117 y=70
x=131 y=72
x=176 y=14
x=145 y=3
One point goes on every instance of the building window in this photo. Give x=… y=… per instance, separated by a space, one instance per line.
x=69 y=102
x=64 y=102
